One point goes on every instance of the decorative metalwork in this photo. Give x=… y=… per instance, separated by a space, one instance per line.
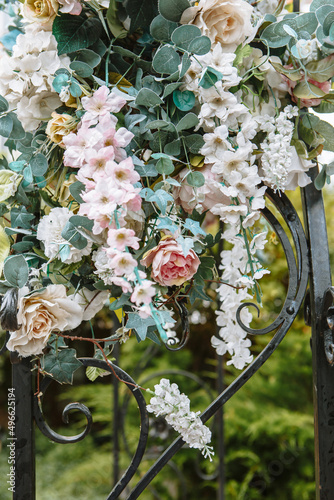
x=298 y=265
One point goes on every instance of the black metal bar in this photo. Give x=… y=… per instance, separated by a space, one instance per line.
x=116 y=420
x=323 y=372
x=24 y=439
x=296 y=5
x=220 y=432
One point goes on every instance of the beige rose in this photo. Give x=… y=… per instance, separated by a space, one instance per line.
x=227 y=22
x=59 y=126
x=41 y=11
x=40 y=314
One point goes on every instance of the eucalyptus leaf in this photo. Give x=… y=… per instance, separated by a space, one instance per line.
x=3 y=104
x=39 y=164
x=195 y=179
x=200 y=45
x=16 y=271
x=148 y=98
x=6 y=125
x=161 y=29
x=87 y=56
x=165 y=166
x=166 y=60
x=184 y=100
x=173 y=9
x=188 y=121
x=81 y=69
x=184 y=35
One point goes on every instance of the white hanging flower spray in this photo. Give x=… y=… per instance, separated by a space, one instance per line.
x=175 y=407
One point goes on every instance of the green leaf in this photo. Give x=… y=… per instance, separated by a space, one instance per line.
x=241 y=53
x=161 y=198
x=320 y=180
x=188 y=121
x=75 y=189
x=27 y=174
x=185 y=101
x=3 y=105
x=81 y=221
x=17 y=166
x=7 y=180
x=173 y=9
x=148 y=98
x=200 y=45
x=184 y=35
x=194 y=142
x=141 y=13
x=81 y=69
x=322 y=70
x=61 y=365
x=209 y=77
x=165 y=166
x=72 y=235
x=185 y=65
x=75 y=88
x=92 y=373
x=306 y=90
x=169 y=89
x=139 y=324
x=173 y=148
x=20 y=217
x=16 y=271
x=186 y=244
x=166 y=60
x=60 y=81
x=64 y=252
x=195 y=179
x=75 y=32
x=120 y=302
x=6 y=125
x=114 y=24
x=4 y=247
x=87 y=56
x=39 y=164
x=161 y=29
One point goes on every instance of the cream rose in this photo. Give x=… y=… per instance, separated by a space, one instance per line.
x=59 y=126
x=227 y=22
x=169 y=265
x=41 y=11
x=40 y=314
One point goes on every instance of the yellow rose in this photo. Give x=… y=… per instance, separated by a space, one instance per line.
x=227 y=22
x=59 y=126
x=41 y=11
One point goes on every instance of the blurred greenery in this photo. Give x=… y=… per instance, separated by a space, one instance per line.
x=268 y=424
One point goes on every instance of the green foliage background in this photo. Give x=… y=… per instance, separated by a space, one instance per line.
x=268 y=424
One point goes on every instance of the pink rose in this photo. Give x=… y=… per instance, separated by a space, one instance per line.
x=306 y=103
x=169 y=265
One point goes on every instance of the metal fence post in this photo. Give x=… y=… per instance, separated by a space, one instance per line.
x=323 y=371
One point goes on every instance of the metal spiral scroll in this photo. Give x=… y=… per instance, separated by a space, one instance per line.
x=144 y=422
x=298 y=277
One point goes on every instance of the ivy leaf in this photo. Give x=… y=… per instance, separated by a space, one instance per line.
x=140 y=325
x=75 y=32
x=194 y=227
x=186 y=244
x=160 y=197
x=62 y=365
x=167 y=223
x=120 y=302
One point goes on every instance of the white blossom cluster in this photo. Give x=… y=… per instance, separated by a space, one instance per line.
x=175 y=407
x=280 y=166
x=235 y=268
x=27 y=75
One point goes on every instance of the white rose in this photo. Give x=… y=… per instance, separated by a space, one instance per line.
x=227 y=22
x=40 y=314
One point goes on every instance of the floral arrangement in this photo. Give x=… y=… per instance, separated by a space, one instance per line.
x=131 y=128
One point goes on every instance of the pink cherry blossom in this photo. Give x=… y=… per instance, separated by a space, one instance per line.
x=95 y=167
x=102 y=102
x=122 y=282
x=123 y=172
x=121 y=238
x=143 y=293
x=121 y=262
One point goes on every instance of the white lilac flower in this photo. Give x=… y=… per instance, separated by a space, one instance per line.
x=175 y=407
x=49 y=232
